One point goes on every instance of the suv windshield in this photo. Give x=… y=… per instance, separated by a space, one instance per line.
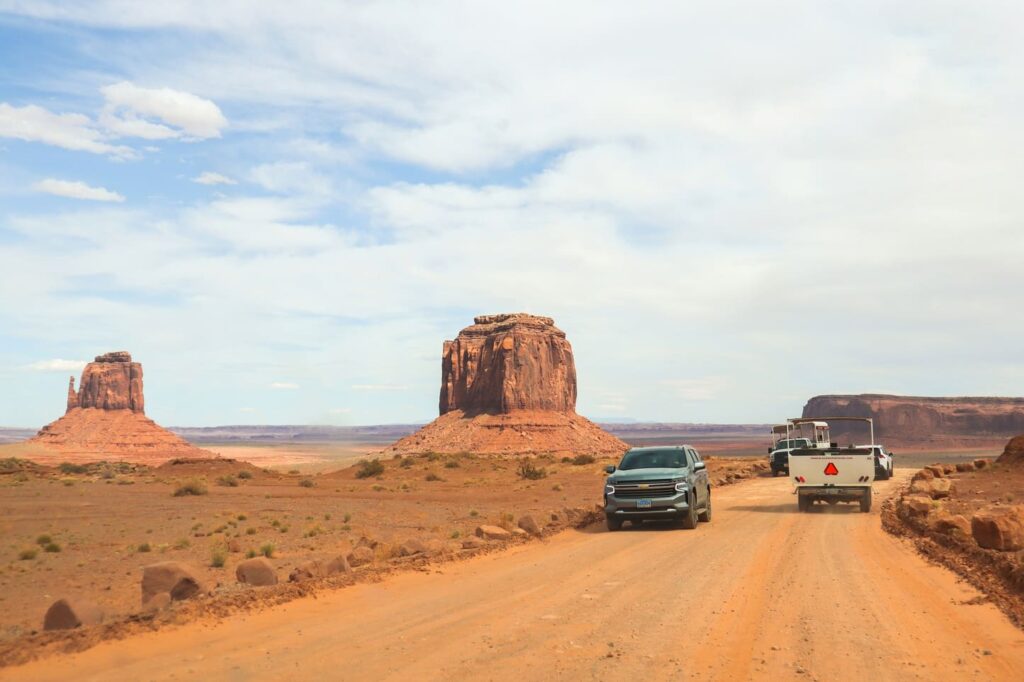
x=790 y=444
x=653 y=459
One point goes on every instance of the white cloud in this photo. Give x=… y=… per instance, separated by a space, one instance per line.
x=291 y=177
x=69 y=131
x=128 y=105
x=211 y=178
x=57 y=365
x=73 y=189
x=284 y=385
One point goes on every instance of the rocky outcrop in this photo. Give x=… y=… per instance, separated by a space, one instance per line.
x=508 y=386
x=112 y=382
x=105 y=420
x=508 y=362
x=921 y=419
x=1013 y=453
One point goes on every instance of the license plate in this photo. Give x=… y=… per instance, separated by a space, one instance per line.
x=643 y=504
x=831 y=491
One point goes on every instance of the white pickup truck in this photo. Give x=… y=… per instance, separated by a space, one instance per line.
x=833 y=474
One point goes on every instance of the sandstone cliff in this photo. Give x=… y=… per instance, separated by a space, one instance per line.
x=920 y=419
x=508 y=362
x=112 y=382
x=508 y=386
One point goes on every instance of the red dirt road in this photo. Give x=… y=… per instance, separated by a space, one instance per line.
x=760 y=593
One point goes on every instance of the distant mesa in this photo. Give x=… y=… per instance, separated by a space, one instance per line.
x=508 y=385
x=105 y=419
x=912 y=419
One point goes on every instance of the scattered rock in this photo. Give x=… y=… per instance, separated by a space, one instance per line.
x=178 y=580
x=257 y=572
x=1001 y=529
x=67 y=614
x=925 y=474
x=234 y=546
x=529 y=524
x=935 y=488
x=364 y=541
x=412 y=547
x=937 y=470
x=492 y=533
x=360 y=556
x=473 y=542
x=159 y=602
x=519 y=532
x=338 y=564
x=952 y=524
x=311 y=570
x=982 y=463
x=965 y=466
x=917 y=505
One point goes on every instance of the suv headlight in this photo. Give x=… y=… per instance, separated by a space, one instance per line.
x=609 y=489
x=681 y=486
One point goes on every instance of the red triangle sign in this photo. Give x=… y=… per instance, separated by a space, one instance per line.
x=830 y=469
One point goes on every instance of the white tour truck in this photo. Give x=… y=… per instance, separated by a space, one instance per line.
x=833 y=474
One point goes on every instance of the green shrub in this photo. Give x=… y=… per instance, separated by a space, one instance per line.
x=580 y=460
x=267 y=550
x=406 y=463
x=218 y=557
x=251 y=554
x=44 y=540
x=369 y=468
x=194 y=487
x=347 y=517
x=183 y=543
x=241 y=517
x=28 y=554
x=451 y=464
x=69 y=468
x=293 y=471
x=228 y=481
x=307 y=483
x=245 y=475
x=51 y=547
x=433 y=477
x=144 y=547
x=530 y=472
x=250 y=531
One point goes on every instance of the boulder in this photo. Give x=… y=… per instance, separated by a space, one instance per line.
x=174 y=578
x=936 y=488
x=918 y=505
x=1001 y=529
x=965 y=466
x=67 y=614
x=948 y=469
x=360 y=556
x=364 y=541
x=936 y=470
x=310 y=570
x=519 y=533
x=159 y=602
x=982 y=463
x=1013 y=453
x=338 y=564
x=925 y=474
x=473 y=542
x=492 y=533
x=258 y=572
x=530 y=525
x=412 y=547
x=951 y=524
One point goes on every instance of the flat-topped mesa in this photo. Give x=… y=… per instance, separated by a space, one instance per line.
x=111 y=382
x=508 y=362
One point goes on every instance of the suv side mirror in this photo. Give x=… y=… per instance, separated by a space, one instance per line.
x=698 y=466
x=610 y=469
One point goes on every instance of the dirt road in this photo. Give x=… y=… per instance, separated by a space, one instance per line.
x=760 y=593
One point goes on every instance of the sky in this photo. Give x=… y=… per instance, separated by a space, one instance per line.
x=283 y=209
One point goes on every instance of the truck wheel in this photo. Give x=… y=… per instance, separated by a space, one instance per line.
x=613 y=523
x=803 y=503
x=865 y=501
x=705 y=515
x=775 y=472
x=689 y=520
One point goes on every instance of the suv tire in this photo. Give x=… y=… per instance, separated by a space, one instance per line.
x=689 y=519
x=865 y=502
x=613 y=523
x=705 y=515
x=803 y=503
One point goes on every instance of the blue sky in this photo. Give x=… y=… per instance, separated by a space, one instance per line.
x=283 y=211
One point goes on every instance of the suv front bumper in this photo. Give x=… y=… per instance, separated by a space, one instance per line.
x=661 y=507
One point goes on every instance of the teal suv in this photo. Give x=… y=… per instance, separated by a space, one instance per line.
x=658 y=484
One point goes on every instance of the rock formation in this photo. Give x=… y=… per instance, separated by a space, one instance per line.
x=105 y=420
x=508 y=385
x=508 y=362
x=916 y=419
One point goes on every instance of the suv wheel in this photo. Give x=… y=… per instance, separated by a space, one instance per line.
x=803 y=503
x=689 y=519
x=865 y=501
x=613 y=523
x=705 y=515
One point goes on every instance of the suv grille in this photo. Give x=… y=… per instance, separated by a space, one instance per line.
x=646 y=489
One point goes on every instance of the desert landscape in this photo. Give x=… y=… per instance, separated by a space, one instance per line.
x=502 y=341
